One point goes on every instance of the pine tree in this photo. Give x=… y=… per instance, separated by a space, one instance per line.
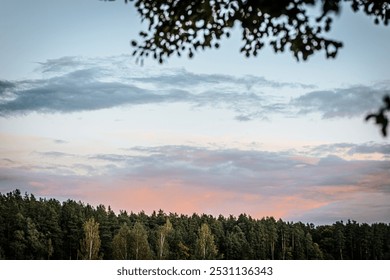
x=272 y=235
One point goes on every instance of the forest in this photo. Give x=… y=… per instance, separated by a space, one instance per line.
x=32 y=228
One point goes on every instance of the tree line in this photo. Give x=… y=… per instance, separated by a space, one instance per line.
x=32 y=228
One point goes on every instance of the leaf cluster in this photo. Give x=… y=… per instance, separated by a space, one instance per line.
x=381 y=117
x=183 y=27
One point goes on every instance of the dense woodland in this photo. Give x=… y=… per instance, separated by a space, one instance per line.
x=32 y=228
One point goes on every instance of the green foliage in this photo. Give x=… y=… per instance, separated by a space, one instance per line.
x=71 y=221
x=121 y=243
x=47 y=229
x=90 y=245
x=237 y=246
x=183 y=27
x=176 y=27
x=205 y=246
x=162 y=236
x=139 y=245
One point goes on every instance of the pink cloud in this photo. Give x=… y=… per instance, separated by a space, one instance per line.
x=194 y=180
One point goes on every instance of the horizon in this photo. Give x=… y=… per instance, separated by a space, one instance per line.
x=167 y=214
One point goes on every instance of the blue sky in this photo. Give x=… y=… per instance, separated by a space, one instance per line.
x=219 y=133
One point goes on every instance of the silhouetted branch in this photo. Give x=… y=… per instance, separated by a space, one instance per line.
x=183 y=27
x=381 y=117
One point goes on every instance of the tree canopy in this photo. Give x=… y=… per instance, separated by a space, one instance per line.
x=48 y=229
x=296 y=26
x=299 y=26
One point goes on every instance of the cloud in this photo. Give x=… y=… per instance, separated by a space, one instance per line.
x=80 y=91
x=354 y=101
x=65 y=64
x=181 y=77
x=350 y=149
x=376 y=209
x=109 y=157
x=74 y=84
x=5 y=86
x=370 y=148
x=244 y=118
x=188 y=178
x=60 y=141
x=55 y=154
x=6 y=89
x=254 y=172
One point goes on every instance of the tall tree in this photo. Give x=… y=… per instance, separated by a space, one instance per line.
x=237 y=245
x=105 y=233
x=205 y=244
x=339 y=238
x=365 y=234
x=90 y=245
x=121 y=243
x=35 y=240
x=162 y=235
x=271 y=235
x=72 y=221
x=260 y=245
x=298 y=241
x=18 y=244
x=325 y=235
x=140 y=249
x=283 y=233
x=351 y=239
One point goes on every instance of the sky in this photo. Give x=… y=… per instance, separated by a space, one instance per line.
x=216 y=134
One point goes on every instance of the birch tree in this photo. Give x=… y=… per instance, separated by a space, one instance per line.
x=139 y=245
x=90 y=245
x=162 y=244
x=205 y=245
